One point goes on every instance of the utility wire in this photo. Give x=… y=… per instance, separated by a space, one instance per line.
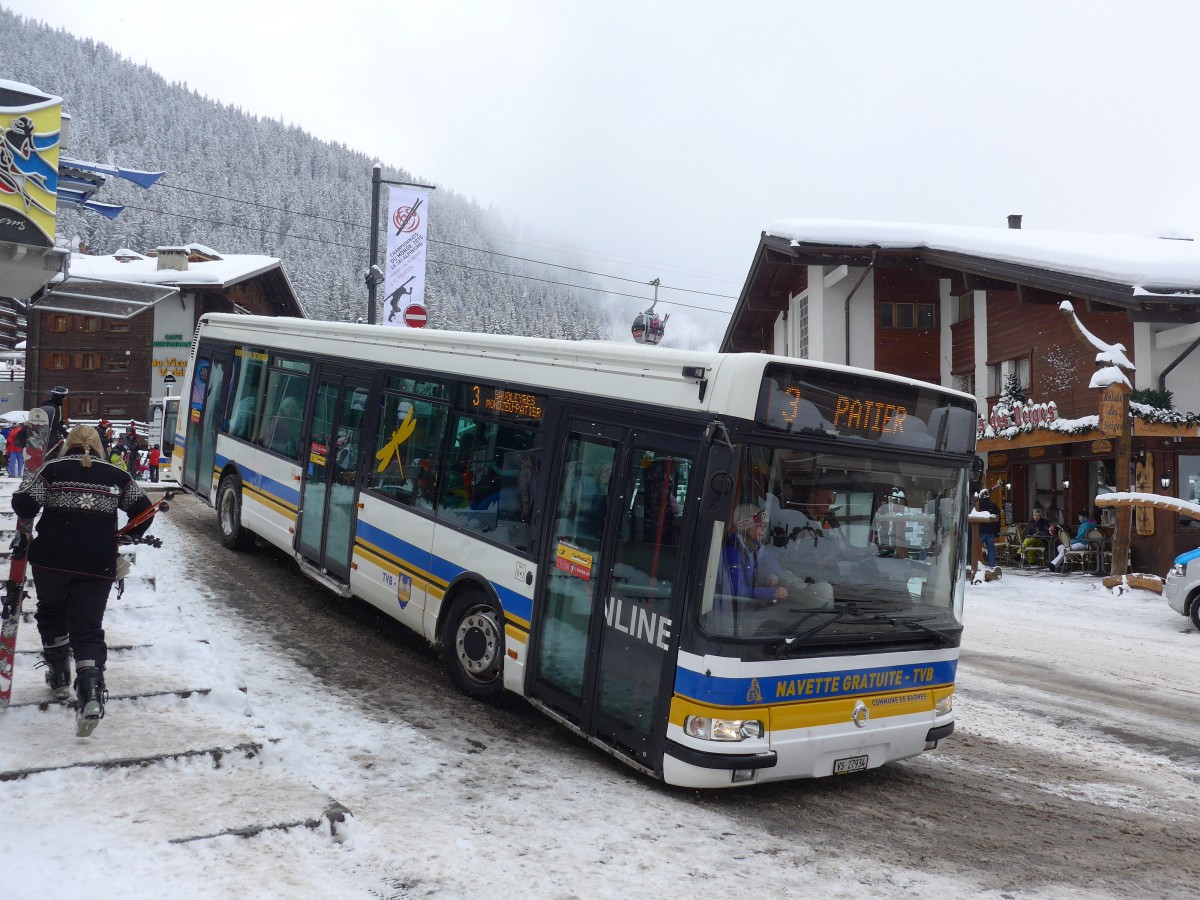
x=441 y=262
x=435 y=241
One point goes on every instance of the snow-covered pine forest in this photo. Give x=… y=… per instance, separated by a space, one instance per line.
x=309 y=200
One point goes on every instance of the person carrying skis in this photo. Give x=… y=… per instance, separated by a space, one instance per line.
x=74 y=561
x=57 y=432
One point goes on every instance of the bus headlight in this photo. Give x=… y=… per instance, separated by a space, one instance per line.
x=944 y=706
x=709 y=729
x=1179 y=569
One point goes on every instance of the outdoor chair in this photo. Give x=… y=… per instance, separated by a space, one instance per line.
x=1034 y=556
x=1007 y=546
x=1084 y=560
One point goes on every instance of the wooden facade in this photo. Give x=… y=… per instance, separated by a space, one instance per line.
x=105 y=362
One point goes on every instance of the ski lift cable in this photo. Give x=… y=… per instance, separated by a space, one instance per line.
x=549 y=244
x=527 y=259
x=298 y=237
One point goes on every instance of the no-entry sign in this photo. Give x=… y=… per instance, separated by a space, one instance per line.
x=415 y=315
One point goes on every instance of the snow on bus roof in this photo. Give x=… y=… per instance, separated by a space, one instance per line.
x=1135 y=260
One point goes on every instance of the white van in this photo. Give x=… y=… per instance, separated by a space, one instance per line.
x=1183 y=586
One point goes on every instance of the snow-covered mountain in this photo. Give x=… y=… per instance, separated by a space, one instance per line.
x=243 y=184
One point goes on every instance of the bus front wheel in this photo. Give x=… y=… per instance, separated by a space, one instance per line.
x=1196 y=611
x=234 y=534
x=473 y=644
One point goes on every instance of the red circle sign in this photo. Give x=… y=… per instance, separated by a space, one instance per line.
x=415 y=315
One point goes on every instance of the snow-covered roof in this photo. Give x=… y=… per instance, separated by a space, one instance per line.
x=1141 y=262
x=221 y=273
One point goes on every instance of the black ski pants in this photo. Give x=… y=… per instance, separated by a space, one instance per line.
x=73 y=605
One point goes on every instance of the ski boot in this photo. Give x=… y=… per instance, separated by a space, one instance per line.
x=90 y=695
x=56 y=658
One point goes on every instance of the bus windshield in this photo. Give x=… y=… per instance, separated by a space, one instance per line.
x=825 y=547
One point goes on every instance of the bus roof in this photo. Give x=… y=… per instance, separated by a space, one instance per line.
x=657 y=375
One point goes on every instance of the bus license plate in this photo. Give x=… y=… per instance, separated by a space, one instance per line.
x=850 y=764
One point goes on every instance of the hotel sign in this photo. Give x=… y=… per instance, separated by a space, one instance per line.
x=1114 y=410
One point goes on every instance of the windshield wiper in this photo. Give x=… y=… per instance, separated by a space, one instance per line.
x=942 y=636
x=865 y=615
x=836 y=616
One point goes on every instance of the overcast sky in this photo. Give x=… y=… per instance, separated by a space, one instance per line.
x=663 y=137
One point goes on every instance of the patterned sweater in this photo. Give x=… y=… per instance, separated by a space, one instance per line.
x=77 y=532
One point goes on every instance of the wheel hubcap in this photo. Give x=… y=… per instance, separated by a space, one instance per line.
x=227 y=511
x=477 y=644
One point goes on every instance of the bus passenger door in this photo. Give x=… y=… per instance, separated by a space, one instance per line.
x=614 y=573
x=327 y=503
x=205 y=403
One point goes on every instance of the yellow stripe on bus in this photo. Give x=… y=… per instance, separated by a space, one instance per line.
x=814 y=713
x=521 y=637
x=270 y=501
x=395 y=566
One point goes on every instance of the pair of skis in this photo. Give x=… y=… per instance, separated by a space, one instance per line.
x=37 y=431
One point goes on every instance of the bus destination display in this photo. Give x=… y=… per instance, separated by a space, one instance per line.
x=487 y=399
x=859 y=407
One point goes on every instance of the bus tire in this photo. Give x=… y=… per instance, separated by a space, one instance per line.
x=473 y=645
x=1196 y=610
x=234 y=535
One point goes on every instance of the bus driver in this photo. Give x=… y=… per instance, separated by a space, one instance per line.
x=748 y=571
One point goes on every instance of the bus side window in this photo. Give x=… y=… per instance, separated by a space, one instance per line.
x=408 y=450
x=284 y=410
x=490 y=479
x=248 y=396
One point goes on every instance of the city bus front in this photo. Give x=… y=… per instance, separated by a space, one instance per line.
x=823 y=636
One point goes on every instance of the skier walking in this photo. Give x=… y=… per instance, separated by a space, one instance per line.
x=58 y=425
x=74 y=562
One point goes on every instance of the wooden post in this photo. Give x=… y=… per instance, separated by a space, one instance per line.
x=975 y=549
x=1114 y=422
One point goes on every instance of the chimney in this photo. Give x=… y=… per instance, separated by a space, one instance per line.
x=1014 y=221
x=172 y=258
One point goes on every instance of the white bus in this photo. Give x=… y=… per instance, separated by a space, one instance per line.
x=723 y=569
x=161 y=425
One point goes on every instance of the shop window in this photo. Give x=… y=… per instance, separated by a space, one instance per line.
x=921 y=316
x=1188 y=485
x=60 y=323
x=58 y=361
x=965 y=382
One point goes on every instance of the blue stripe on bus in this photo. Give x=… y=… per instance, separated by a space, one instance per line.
x=812 y=685
x=284 y=493
x=442 y=570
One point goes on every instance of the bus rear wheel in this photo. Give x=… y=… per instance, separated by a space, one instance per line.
x=473 y=645
x=234 y=535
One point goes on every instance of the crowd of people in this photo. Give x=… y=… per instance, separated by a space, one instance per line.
x=1041 y=536
x=123 y=450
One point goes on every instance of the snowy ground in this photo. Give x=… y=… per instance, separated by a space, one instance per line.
x=212 y=734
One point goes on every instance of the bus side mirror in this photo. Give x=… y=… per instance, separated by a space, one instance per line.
x=716 y=500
